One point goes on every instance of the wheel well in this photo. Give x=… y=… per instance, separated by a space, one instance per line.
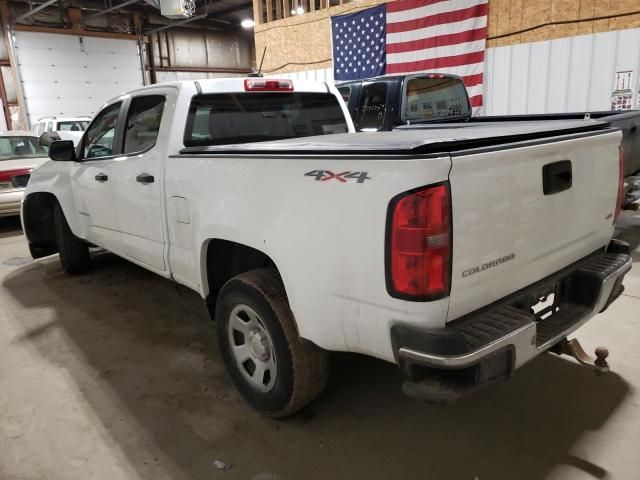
x=225 y=260
x=37 y=218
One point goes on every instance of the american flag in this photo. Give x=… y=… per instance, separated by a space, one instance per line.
x=407 y=36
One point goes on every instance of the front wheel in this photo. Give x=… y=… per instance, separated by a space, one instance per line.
x=74 y=253
x=275 y=370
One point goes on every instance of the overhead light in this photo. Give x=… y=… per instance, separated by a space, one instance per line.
x=247 y=23
x=300 y=10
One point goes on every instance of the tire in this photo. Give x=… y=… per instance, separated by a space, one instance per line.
x=74 y=253
x=270 y=340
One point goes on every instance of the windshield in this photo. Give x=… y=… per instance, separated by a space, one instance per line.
x=21 y=147
x=73 y=126
x=219 y=119
x=433 y=98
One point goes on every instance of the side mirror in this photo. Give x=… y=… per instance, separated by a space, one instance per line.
x=62 y=151
x=47 y=138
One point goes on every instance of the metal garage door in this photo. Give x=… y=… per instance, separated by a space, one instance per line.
x=66 y=75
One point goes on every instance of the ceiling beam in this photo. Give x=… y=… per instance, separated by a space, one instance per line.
x=109 y=10
x=68 y=31
x=177 y=24
x=233 y=9
x=33 y=11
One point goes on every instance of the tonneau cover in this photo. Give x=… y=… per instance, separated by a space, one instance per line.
x=410 y=140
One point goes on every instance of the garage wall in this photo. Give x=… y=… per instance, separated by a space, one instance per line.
x=562 y=75
x=190 y=54
x=66 y=75
x=303 y=42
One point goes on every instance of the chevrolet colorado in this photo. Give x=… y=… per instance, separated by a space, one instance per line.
x=458 y=254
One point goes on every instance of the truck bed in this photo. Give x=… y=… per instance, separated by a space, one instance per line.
x=628 y=122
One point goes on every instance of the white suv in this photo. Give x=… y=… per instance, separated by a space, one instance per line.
x=66 y=128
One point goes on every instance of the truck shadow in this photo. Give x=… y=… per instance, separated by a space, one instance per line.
x=628 y=229
x=151 y=347
x=10 y=227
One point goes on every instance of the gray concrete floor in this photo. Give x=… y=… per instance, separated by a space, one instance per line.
x=115 y=375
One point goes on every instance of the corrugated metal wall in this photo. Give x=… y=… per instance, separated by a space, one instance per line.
x=177 y=51
x=563 y=75
x=323 y=74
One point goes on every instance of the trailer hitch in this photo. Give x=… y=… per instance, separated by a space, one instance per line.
x=574 y=349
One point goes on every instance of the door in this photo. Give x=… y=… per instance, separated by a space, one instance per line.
x=91 y=179
x=137 y=186
x=71 y=76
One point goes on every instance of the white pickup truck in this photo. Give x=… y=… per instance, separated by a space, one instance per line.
x=458 y=254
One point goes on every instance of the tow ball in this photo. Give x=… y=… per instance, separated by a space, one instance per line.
x=574 y=349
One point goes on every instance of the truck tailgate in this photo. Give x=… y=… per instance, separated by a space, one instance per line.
x=509 y=233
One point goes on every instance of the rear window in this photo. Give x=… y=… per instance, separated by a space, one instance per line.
x=428 y=98
x=219 y=119
x=73 y=126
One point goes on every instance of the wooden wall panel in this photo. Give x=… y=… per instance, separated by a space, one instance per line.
x=506 y=16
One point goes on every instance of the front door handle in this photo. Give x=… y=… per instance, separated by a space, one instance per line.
x=102 y=177
x=145 y=178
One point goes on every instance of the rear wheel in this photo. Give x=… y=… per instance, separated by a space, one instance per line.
x=275 y=370
x=74 y=253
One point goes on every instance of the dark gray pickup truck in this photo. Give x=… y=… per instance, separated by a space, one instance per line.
x=440 y=101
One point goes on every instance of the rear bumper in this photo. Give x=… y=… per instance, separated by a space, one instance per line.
x=10 y=202
x=442 y=364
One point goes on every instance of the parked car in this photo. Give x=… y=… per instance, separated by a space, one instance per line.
x=457 y=254
x=20 y=153
x=436 y=100
x=66 y=128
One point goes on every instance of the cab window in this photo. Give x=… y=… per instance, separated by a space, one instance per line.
x=143 y=123
x=370 y=115
x=228 y=118
x=101 y=133
x=434 y=97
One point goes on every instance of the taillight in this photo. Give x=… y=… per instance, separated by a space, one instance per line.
x=9 y=175
x=620 y=184
x=419 y=244
x=267 y=85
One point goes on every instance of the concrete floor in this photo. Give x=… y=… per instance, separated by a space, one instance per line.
x=115 y=375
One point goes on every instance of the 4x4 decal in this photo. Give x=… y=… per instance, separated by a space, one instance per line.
x=343 y=177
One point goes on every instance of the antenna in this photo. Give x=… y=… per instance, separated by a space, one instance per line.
x=258 y=73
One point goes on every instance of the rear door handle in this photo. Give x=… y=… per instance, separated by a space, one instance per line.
x=145 y=178
x=102 y=177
